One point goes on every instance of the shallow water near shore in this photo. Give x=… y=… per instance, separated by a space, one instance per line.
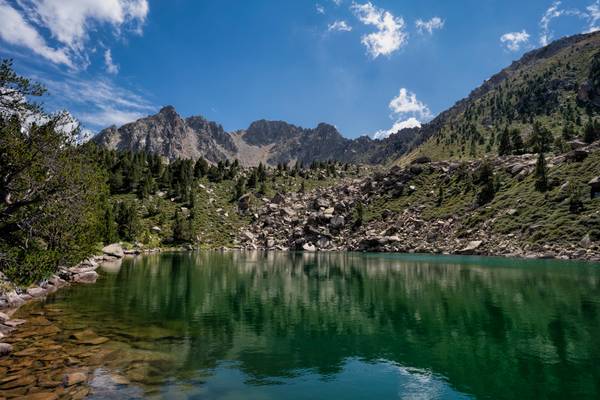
x=316 y=326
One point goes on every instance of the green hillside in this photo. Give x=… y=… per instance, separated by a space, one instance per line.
x=557 y=86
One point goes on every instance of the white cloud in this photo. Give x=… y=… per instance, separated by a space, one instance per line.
x=593 y=13
x=109 y=116
x=14 y=29
x=429 y=26
x=104 y=102
x=407 y=103
x=555 y=11
x=70 y=20
x=68 y=23
x=407 y=111
x=320 y=9
x=339 y=26
x=390 y=35
x=514 y=40
x=337 y=2
x=551 y=13
x=411 y=122
x=111 y=68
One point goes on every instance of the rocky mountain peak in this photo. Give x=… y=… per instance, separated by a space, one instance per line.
x=264 y=132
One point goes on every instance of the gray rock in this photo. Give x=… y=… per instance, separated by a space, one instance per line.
x=471 y=247
x=3 y=317
x=309 y=247
x=114 y=250
x=86 y=277
x=586 y=241
x=337 y=221
x=14 y=300
x=13 y=323
x=5 y=349
x=244 y=202
x=248 y=235
x=36 y=292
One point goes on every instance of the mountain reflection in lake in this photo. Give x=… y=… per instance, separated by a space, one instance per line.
x=348 y=326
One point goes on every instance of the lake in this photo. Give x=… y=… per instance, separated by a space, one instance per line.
x=239 y=325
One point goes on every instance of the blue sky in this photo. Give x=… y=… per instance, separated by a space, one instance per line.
x=364 y=67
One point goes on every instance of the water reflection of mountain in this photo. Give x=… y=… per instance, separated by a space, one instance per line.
x=481 y=326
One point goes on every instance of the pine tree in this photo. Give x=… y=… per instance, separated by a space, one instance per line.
x=200 y=168
x=182 y=228
x=590 y=132
x=109 y=225
x=240 y=188
x=541 y=138
x=440 y=198
x=517 y=141
x=359 y=214
x=504 y=145
x=485 y=179
x=128 y=220
x=541 y=178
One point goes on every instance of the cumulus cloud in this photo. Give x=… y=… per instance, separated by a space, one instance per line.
x=407 y=103
x=390 y=35
x=68 y=23
x=16 y=31
x=429 y=26
x=411 y=122
x=407 y=111
x=514 y=40
x=337 y=2
x=111 y=68
x=320 y=9
x=339 y=26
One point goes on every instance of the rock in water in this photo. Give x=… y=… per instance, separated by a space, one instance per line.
x=114 y=250
x=39 y=396
x=74 y=379
x=5 y=349
x=36 y=292
x=86 y=277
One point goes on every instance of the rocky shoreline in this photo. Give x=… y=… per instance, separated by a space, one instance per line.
x=83 y=273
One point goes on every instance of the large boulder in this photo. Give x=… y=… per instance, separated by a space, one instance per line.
x=114 y=250
x=471 y=247
x=309 y=247
x=244 y=202
x=577 y=155
x=86 y=277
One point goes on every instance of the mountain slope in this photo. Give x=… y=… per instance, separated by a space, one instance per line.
x=556 y=85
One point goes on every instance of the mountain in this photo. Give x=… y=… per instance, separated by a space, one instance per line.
x=270 y=142
x=557 y=86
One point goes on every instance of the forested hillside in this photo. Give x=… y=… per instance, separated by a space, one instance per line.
x=554 y=89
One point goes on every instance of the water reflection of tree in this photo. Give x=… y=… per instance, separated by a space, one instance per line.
x=277 y=313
